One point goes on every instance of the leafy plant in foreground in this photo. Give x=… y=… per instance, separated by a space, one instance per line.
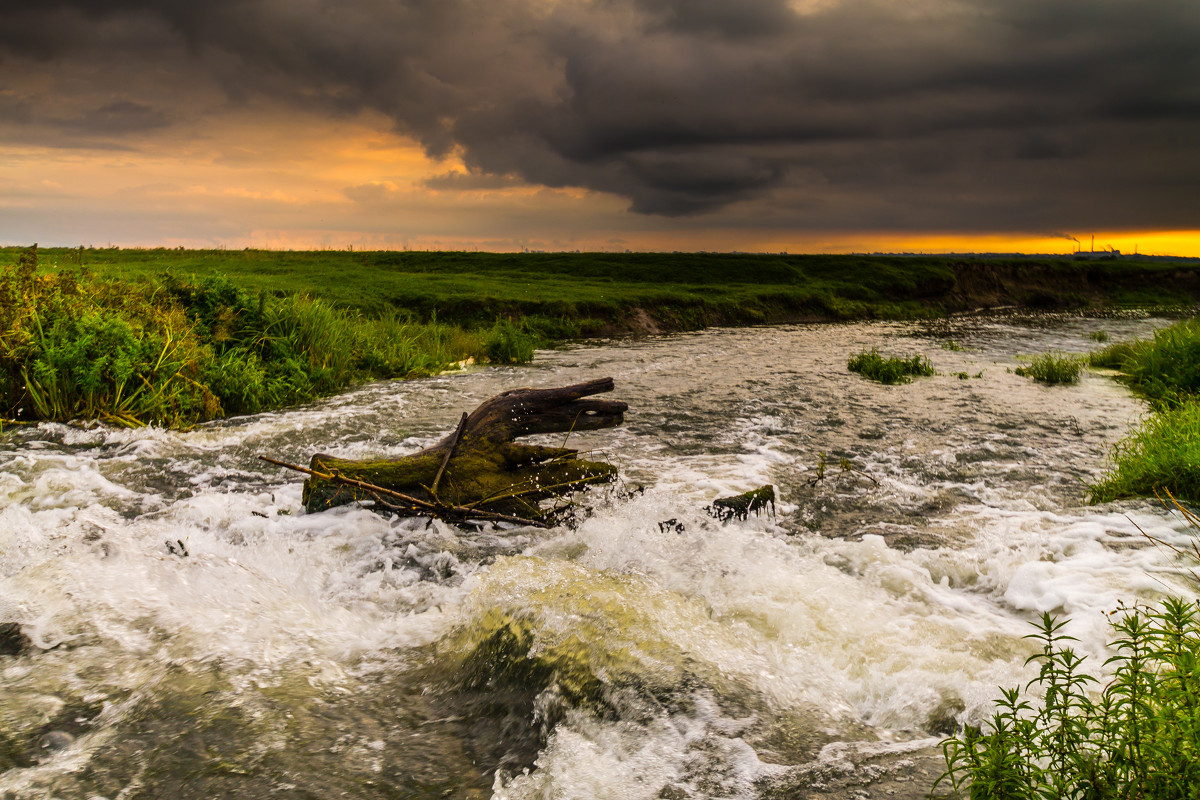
x=1140 y=738
x=891 y=370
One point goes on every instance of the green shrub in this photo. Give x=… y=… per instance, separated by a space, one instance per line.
x=1137 y=738
x=507 y=343
x=870 y=364
x=1163 y=453
x=1052 y=369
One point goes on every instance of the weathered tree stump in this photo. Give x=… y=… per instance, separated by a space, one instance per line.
x=479 y=471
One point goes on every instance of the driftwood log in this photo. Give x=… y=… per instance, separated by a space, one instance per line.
x=479 y=471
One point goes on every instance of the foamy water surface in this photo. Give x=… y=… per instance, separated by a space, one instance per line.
x=198 y=635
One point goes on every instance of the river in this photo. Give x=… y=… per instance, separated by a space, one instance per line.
x=197 y=635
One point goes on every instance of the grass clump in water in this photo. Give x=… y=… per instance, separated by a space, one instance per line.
x=1137 y=738
x=1098 y=336
x=1052 y=369
x=890 y=370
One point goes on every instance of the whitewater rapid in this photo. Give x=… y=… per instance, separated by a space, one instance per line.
x=195 y=633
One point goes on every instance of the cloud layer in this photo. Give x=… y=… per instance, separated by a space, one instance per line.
x=866 y=114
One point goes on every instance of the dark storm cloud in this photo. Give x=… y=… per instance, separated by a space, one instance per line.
x=984 y=114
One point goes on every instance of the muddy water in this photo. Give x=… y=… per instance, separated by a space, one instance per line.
x=195 y=634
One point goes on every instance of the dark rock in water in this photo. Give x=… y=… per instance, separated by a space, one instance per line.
x=12 y=754
x=12 y=640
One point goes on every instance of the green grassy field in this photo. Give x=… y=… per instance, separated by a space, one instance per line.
x=176 y=337
x=600 y=291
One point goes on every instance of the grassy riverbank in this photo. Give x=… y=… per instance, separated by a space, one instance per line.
x=177 y=352
x=1163 y=453
x=636 y=292
x=178 y=336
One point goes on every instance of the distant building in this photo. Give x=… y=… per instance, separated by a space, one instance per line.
x=1098 y=255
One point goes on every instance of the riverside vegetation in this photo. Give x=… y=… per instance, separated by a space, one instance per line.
x=890 y=370
x=1163 y=453
x=1139 y=737
x=177 y=337
x=177 y=352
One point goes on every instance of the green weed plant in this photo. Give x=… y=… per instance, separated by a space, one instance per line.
x=889 y=370
x=1052 y=369
x=1138 y=737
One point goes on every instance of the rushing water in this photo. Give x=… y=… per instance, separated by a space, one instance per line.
x=197 y=635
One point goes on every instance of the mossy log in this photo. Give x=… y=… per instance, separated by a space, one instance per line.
x=479 y=467
x=741 y=506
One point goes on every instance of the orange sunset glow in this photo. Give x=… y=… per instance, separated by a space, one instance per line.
x=800 y=127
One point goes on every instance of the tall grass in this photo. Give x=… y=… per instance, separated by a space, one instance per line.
x=889 y=370
x=1162 y=454
x=176 y=353
x=1165 y=369
x=1052 y=369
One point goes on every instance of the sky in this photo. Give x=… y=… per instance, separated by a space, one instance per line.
x=759 y=125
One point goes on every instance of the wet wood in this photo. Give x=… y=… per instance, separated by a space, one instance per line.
x=479 y=471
